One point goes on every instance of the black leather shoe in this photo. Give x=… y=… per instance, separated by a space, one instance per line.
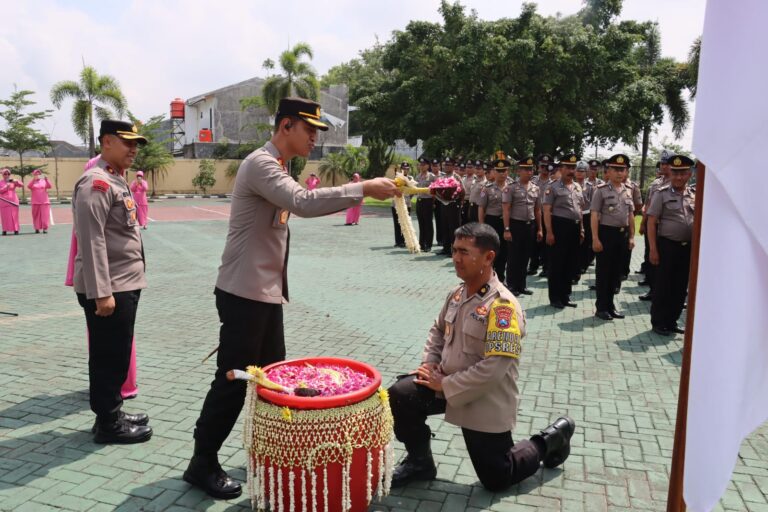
x=412 y=469
x=121 y=432
x=206 y=474
x=616 y=314
x=532 y=271
x=647 y=296
x=661 y=331
x=592 y=287
x=604 y=315
x=527 y=291
x=558 y=305
x=136 y=419
x=516 y=293
x=676 y=329
x=644 y=282
x=557 y=439
x=543 y=273
x=569 y=304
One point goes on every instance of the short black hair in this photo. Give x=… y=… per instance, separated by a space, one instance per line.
x=485 y=236
x=294 y=119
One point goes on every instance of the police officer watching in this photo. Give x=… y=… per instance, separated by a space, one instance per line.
x=109 y=277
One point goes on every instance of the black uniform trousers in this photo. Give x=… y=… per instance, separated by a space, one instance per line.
x=465 y=213
x=399 y=238
x=608 y=271
x=586 y=255
x=451 y=217
x=646 y=254
x=439 y=222
x=251 y=333
x=520 y=250
x=500 y=261
x=473 y=208
x=563 y=258
x=540 y=252
x=110 y=339
x=424 y=207
x=497 y=460
x=671 y=284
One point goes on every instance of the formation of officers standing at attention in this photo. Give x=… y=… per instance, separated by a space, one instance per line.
x=565 y=218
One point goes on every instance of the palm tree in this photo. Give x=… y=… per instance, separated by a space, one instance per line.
x=333 y=165
x=94 y=92
x=659 y=88
x=694 y=54
x=298 y=78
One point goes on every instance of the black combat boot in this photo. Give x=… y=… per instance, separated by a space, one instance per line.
x=205 y=472
x=417 y=465
x=556 y=439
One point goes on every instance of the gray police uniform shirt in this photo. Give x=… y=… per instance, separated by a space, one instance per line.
x=674 y=212
x=255 y=259
x=467 y=183
x=476 y=341
x=523 y=200
x=490 y=199
x=109 y=251
x=589 y=191
x=614 y=206
x=653 y=188
x=565 y=202
x=637 y=196
x=423 y=181
x=477 y=187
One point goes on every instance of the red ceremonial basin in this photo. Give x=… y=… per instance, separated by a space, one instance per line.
x=322 y=453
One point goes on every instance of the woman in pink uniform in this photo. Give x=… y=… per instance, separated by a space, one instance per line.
x=41 y=204
x=353 y=214
x=312 y=182
x=9 y=203
x=139 y=189
x=129 y=389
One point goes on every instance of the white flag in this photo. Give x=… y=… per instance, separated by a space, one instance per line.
x=728 y=395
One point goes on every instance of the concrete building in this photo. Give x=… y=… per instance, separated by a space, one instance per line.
x=217 y=115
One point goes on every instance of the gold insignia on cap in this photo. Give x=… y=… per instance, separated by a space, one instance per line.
x=134 y=129
x=677 y=161
x=499 y=164
x=572 y=159
x=529 y=161
x=620 y=160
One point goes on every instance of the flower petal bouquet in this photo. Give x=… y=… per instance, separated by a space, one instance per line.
x=447 y=189
x=328 y=379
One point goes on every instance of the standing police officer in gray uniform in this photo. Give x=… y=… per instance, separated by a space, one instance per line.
x=563 y=204
x=521 y=203
x=109 y=277
x=425 y=205
x=613 y=230
x=663 y=179
x=541 y=180
x=490 y=211
x=482 y=170
x=252 y=285
x=670 y=230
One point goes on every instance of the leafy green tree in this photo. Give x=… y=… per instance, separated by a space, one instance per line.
x=205 y=176
x=356 y=159
x=93 y=93
x=694 y=54
x=19 y=134
x=657 y=88
x=380 y=157
x=297 y=165
x=298 y=78
x=153 y=158
x=333 y=166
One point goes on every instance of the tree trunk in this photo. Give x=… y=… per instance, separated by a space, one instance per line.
x=91 y=141
x=646 y=137
x=153 y=183
x=56 y=175
x=21 y=173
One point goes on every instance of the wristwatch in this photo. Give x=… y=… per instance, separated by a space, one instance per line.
x=506 y=228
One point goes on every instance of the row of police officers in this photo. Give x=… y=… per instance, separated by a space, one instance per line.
x=564 y=218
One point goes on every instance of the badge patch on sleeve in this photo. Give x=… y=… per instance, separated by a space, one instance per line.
x=100 y=185
x=503 y=335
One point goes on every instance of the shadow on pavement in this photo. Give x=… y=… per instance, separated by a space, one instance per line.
x=44 y=408
x=644 y=341
x=30 y=457
x=176 y=494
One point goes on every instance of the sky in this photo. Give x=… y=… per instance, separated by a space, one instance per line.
x=160 y=50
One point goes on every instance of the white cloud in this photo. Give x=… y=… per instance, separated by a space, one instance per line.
x=161 y=50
